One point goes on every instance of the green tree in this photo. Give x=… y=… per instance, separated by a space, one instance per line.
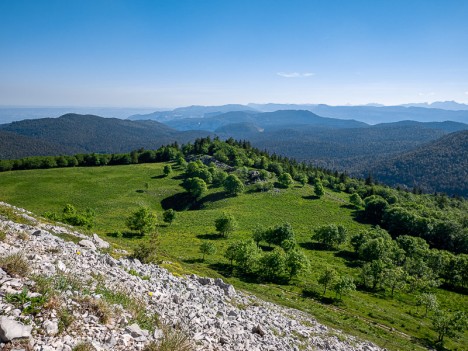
x=258 y=235
x=296 y=263
x=344 y=286
x=245 y=254
x=272 y=264
x=428 y=301
x=226 y=224
x=169 y=216
x=394 y=278
x=207 y=248
x=327 y=278
x=147 y=251
x=448 y=324
x=195 y=187
x=375 y=208
x=331 y=235
x=233 y=185
x=356 y=200
x=285 y=180
x=303 y=179
x=278 y=234
x=167 y=170
x=372 y=273
x=142 y=220
x=318 y=189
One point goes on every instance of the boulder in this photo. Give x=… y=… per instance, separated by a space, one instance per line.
x=100 y=244
x=87 y=243
x=11 y=329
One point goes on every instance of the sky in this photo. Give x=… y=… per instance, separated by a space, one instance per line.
x=170 y=53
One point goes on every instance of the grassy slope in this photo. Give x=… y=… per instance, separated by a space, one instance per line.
x=115 y=191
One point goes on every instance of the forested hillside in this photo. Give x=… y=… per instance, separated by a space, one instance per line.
x=440 y=166
x=74 y=133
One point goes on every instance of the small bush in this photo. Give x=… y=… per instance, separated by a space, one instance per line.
x=99 y=308
x=84 y=346
x=2 y=235
x=15 y=265
x=65 y=319
x=172 y=340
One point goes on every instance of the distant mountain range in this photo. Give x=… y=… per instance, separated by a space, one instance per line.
x=444 y=105
x=371 y=114
x=341 y=144
x=73 y=133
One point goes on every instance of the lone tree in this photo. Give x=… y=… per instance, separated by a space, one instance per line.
x=233 y=185
x=331 y=235
x=142 y=220
x=226 y=224
x=207 y=248
x=296 y=263
x=327 y=278
x=167 y=170
x=318 y=189
x=285 y=180
x=356 y=200
x=344 y=286
x=169 y=215
x=195 y=186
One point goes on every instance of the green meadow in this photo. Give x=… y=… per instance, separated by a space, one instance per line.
x=116 y=191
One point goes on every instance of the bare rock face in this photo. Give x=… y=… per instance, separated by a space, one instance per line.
x=11 y=329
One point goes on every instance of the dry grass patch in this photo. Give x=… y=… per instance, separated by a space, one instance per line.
x=84 y=346
x=172 y=340
x=97 y=307
x=15 y=265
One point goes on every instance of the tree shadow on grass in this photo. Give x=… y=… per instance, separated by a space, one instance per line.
x=429 y=344
x=193 y=260
x=126 y=235
x=161 y=176
x=184 y=201
x=349 y=207
x=311 y=245
x=312 y=294
x=351 y=258
x=225 y=269
x=311 y=197
x=210 y=236
x=208 y=199
x=178 y=202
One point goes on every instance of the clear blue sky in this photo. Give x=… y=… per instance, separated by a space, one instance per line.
x=168 y=53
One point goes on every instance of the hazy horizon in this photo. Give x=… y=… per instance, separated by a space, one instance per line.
x=166 y=54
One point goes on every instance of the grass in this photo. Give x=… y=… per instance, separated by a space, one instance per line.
x=391 y=323
x=172 y=340
x=15 y=265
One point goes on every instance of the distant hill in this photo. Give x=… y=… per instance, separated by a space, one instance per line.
x=11 y=113
x=350 y=149
x=441 y=165
x=266 y=120
x=375 y=114
x=72 y=133
x=444 y=105
x=191 y=112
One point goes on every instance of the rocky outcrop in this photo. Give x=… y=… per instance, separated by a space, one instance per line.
x=93 y=291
